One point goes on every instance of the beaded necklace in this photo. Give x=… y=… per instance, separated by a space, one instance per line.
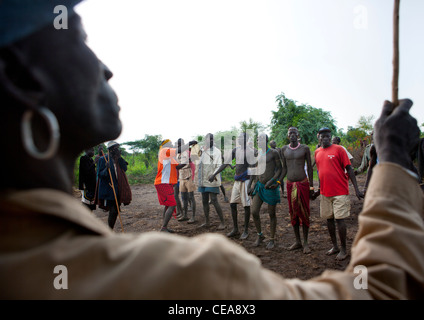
x=298 y=145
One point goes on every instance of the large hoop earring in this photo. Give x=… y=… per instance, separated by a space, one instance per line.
x=28 y=139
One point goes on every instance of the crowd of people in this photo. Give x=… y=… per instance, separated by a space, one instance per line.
x=49 y=78
x=184 y=169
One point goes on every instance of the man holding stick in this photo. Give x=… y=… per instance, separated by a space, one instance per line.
x=113 y=183
x=43 y=225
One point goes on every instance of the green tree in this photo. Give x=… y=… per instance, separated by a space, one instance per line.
x=256 y=127
x=355 y=134
x=253 y=128
x=222 y=137
x=366 y=124
x=149 y=145
x=305 y=117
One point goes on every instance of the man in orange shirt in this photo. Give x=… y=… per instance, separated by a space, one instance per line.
x=332 y=161
x=167 y=177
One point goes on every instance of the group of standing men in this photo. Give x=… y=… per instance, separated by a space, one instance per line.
x=258 y=177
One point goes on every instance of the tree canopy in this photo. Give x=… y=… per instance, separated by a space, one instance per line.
x=306 y=118
x=149 y=145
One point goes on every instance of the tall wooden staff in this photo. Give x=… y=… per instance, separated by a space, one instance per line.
x=395 y=80
x=113 y=188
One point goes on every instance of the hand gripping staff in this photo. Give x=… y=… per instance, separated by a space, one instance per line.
x=395 y=80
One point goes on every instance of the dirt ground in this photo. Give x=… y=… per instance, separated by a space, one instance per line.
x=145 y=214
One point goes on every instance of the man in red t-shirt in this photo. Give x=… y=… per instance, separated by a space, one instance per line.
x=331 y=161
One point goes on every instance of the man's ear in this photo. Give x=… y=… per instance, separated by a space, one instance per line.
x=17 y=78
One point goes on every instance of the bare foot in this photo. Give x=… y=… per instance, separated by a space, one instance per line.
x=259 y=240
x=233 y=233
x=192 y=220
x=244 y=235
x=221 y=226
x=295 y=246
x=342 y=255
x=164 y=229
x=332 y=251
x=205 y=225
x=270 y=244
x=306 y=249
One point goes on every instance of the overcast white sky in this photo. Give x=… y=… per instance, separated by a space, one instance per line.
x=188 y=67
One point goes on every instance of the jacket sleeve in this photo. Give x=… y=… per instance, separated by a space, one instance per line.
x=390 y=239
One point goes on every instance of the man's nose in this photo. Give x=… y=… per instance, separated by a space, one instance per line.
x=107 y=72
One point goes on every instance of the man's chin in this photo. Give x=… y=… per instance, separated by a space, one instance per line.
x=115 y=131
x=109 y=131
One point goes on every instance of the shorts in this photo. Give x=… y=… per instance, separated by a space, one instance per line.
x=208 y=189
x=187 y=185
x=239 y=193
x=337 y=207
x=165 y=193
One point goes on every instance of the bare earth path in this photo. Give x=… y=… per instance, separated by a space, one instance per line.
x=145 y=214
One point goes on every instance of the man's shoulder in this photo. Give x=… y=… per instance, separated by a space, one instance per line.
x=102 y=159
x=274 y=152
x=318 y=150
x=215 y=150
x=304 y=147
x=338 y=147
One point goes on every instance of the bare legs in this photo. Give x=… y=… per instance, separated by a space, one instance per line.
x=206 y=208
x=177 y=199
x=298 y=243
x=188 y=196
x=167 y=213
x=341 y=226
x=256 y=206
x=235 y=232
